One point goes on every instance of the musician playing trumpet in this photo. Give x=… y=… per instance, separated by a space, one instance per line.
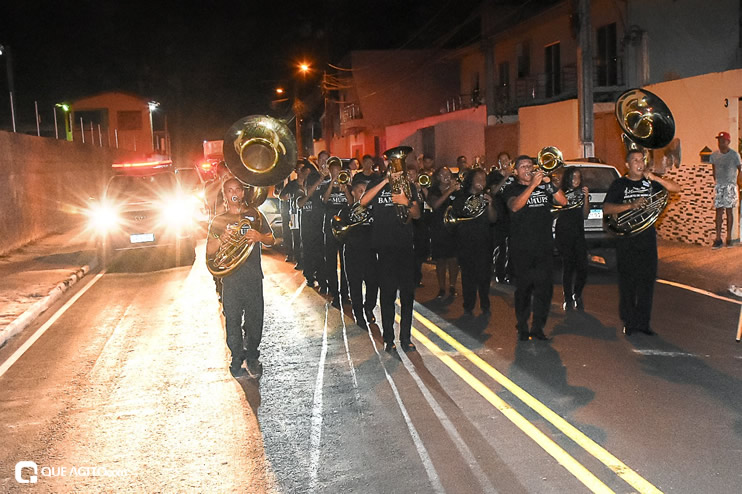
x=529 y=199
x=636 y=255
x=242 y=290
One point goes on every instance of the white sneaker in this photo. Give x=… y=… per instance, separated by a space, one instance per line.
x=735 y=290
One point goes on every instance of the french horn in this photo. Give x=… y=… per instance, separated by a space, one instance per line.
x=259 y=151
x=474 y=206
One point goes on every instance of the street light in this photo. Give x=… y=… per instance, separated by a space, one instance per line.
x=304 y=68
x=152 y=105
x=5 y=51
x=66 y=109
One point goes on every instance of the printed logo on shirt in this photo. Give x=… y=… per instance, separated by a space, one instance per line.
x=385 y=197
x=634 y=192
x=539 y=198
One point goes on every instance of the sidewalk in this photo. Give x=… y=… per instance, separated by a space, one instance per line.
x=35 y=275
x=30 y=273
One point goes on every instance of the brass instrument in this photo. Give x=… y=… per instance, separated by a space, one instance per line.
x=474 y=207
x=397 y=175
x=424 y=179
x=647 y=123
x=549 y=160
x=344 y=177
x=358 y=215
x=259 y=151
x=573 y=201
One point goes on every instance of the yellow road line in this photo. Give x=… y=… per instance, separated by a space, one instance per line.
x=565 y=459
x=617 y=466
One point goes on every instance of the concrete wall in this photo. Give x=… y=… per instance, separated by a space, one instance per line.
x=43 y=182
x=499 y=138
x=555 y=124
x=456 y=133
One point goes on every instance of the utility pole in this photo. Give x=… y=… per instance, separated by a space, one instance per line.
x=488 y=49
x=585 y=79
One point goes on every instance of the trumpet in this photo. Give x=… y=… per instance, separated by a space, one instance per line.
x=424 y=179
x=550 y=159
x=344 y=177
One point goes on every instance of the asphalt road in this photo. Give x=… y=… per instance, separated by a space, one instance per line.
x=128 y=390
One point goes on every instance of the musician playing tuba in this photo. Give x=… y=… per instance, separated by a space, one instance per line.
x=636 y=255
x=242 y=292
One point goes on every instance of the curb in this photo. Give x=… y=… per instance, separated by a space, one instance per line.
x=40 y=306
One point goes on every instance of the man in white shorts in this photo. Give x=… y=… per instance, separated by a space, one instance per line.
x=726 y=164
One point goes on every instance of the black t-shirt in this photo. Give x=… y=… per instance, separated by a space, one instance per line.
x=503 y=212
x=335 y=202
x=313 y=210
x=359 y=235
x=530 y=226
x=225 y=222
x=624 y=190
x=571 y=221
x=472 y=235
x=436 y=216
x=292 y=192
x=387 y=230
x=360 y=177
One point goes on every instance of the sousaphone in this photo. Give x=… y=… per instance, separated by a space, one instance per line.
x=259 y=151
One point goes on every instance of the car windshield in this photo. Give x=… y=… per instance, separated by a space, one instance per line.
x=141 y=188
x=598 y=179
x=188 y=179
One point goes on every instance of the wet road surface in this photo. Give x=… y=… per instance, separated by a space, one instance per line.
x=132 y=382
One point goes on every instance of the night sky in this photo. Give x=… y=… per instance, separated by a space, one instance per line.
x=209 y=64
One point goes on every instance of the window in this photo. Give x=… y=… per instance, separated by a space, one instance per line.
x=606 y=61
x=504 y=70
x=129 y=120
x=523 y=54
x=553 y=69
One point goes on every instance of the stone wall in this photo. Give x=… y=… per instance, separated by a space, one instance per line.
x=689 y=216
x=44 y=184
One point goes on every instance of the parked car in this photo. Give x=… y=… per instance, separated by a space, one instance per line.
x=598 y=177
x=271 y=208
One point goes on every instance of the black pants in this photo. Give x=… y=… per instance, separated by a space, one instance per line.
x=637 y=271
x=361 y=267
x=503 y=266
x=476 y=274
x=242 y=305
x=333 y=249
x=312 y=246
x=285 y=231
x=573 y=250
x=533 y=289
x=396 y=273
x=295 y=239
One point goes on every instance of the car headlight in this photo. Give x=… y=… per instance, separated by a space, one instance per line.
x=178 y=212
x=103 y=217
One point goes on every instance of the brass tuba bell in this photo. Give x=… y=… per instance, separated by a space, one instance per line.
x=259 y=151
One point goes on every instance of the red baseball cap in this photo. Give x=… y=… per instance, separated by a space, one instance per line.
x=724 y=135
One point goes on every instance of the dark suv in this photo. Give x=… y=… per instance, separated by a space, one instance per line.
x=143 y=209
x=600 y=243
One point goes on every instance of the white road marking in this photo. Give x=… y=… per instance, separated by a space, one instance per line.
x=18 y=353
x=699 y=291
x=296 y=293
x=662 y=353
x=433 y=477
x=453 y=434
x=315 y=435
x=350 y=361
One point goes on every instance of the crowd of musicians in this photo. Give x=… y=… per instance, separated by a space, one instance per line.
x=512 y=240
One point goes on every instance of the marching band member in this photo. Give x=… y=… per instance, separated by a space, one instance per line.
x=442 y=241
x=570 y=239
x=367 y=173
x=392 y=240
x=474 y=244
x=529 y=201
x=421 y=238
x=497 y=179
x=242 y=291
x=311 y=220
x=360 y=263
x=636 y=255
x=334 y=196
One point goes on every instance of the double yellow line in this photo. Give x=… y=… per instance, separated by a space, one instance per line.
x=565 y=459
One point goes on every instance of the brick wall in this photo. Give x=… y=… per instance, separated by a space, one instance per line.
x=689 y=216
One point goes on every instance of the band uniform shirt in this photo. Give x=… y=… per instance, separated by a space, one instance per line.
x=571 y=221
x=530 y=226
x=501 y=208
x=474 y=232
x=387 y=230
x=312 y=213
x=624 y=190
x=225 y=223
x=361 y=177
x=727 y=166
x=358 y=236
x=293 y=192
x=335 y=202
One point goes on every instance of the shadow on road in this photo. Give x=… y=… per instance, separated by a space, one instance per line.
x=584 y=324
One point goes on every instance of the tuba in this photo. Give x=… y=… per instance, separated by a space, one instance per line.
x=647 y=123
x=259 y=151
x=399 y=183
x=474 y=207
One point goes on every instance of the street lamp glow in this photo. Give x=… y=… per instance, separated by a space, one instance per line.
x=63 y=106
x=152 y=105
x=279 y=90
x=304 y=67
